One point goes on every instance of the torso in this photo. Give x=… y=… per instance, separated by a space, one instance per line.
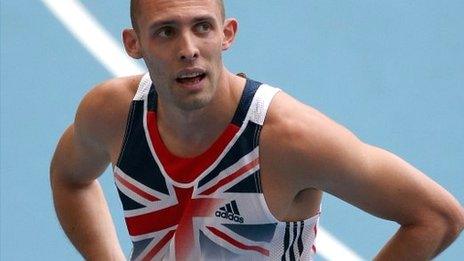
x=285 y=202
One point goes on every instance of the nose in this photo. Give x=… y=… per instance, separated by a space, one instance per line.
x=188 y=50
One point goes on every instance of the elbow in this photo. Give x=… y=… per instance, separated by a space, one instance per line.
x=458 y=224
x=444 y=224
x=452 y=223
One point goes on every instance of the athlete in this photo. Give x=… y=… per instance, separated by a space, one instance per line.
x=210 y=165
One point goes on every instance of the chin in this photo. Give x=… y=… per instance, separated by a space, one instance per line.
x=195 y=100
x=193 y=104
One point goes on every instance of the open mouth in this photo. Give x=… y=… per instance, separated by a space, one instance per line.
x=191 y=78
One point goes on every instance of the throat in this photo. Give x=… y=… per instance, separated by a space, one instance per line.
x=193 y=132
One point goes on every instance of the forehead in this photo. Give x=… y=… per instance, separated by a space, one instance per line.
x=150 y=10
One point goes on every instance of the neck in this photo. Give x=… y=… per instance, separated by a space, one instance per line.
x=188 y=133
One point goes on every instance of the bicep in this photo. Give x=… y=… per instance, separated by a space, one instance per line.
x=77 y=160
x=376 y=180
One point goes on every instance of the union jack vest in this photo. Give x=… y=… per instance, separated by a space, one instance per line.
x=210 y=207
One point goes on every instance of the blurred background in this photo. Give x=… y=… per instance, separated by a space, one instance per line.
x=391 y=71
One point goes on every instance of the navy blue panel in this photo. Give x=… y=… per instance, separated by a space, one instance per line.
x=136 y=160
x=260 y=232
x=152 y=102
x=244 y=145
x=128 y=203
x=248 y=185
x=139 y=246
x=245 y=101
x=212 y=251
x=128 y=126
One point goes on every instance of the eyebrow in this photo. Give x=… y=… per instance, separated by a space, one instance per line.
x=171 y=22
x=203 y=18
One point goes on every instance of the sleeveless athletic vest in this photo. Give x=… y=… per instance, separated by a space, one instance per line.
x=210 y=207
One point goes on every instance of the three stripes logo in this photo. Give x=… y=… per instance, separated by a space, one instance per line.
x=230 y=211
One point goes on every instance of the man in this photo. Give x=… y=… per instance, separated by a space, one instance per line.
x=215 y=166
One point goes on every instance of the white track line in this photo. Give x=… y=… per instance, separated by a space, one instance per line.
x=85 y=28
x=331 y=248
x=102 y=46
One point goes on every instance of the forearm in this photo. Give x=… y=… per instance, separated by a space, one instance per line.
x=416 y=243
x=85 y=218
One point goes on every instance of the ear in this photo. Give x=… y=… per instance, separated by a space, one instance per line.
x=131 y=43
x=230 y=31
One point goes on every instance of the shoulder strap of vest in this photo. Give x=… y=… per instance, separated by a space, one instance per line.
x=261 y=102
x=144 y=88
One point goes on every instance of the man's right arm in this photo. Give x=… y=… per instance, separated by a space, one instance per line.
x=80 y=158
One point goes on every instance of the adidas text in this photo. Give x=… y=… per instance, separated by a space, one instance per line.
x=230 y=216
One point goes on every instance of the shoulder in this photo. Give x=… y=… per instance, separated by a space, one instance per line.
x=103 y=110
x=288 y=117
x=299 y=140
x=106 y=96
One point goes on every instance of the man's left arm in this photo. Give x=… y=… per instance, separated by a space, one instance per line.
x=326 y=156
x=430 y=217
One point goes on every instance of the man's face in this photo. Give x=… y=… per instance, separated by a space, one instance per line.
x=181 y=42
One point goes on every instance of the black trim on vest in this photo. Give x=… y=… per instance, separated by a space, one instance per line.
x=249 y=91
x=300 y=240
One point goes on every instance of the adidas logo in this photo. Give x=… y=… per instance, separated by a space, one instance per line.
x=230 y=211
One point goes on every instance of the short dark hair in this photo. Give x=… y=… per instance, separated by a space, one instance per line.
x=134 y=11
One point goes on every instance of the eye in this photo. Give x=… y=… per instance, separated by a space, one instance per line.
x=203 y=27
x=165 y=32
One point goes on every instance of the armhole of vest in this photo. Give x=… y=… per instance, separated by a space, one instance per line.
x=259 y=108
x=126 y=132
